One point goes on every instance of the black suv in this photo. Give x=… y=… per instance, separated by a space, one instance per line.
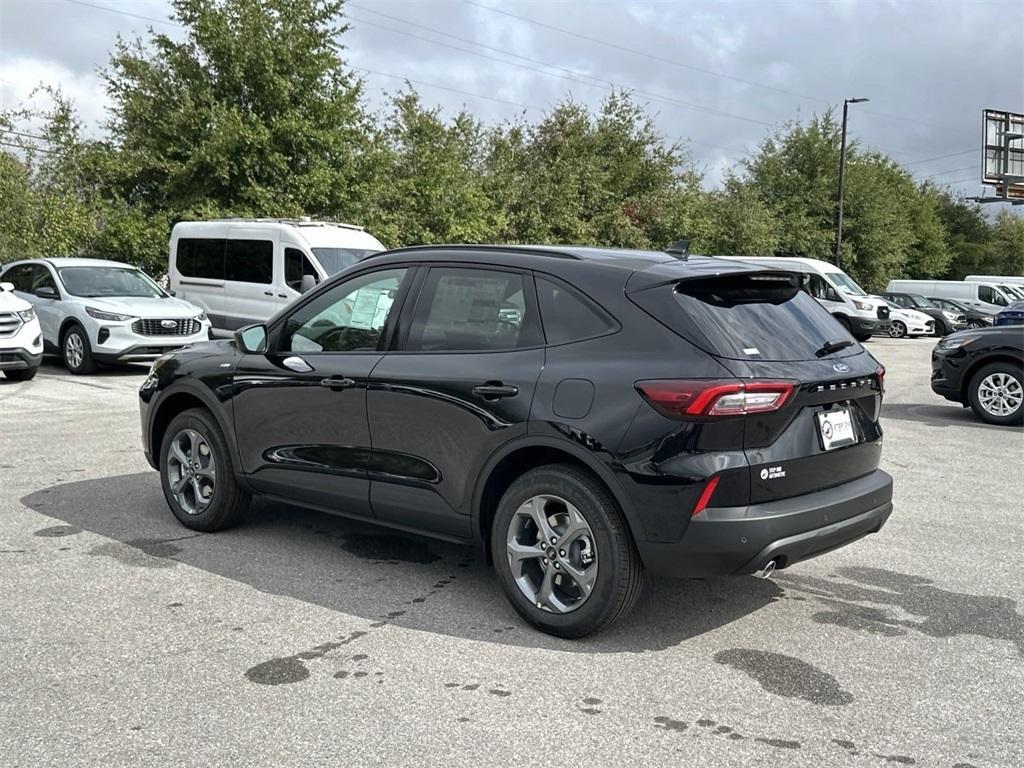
x=581 y=414
x=983 y=369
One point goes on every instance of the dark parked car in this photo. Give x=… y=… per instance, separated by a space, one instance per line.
x=945 y=321
x=983 y=369
x=976 y=318
x=581 y=414
x=1012 y=315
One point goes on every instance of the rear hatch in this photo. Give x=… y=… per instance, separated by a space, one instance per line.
x=762 y=327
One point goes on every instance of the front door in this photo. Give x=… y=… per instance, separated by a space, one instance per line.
x=300 y=409
x=460 y=386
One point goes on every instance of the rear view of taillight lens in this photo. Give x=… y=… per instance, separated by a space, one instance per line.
x=880 y=373
x=682 y=398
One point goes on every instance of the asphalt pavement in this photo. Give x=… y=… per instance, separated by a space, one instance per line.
x=302 y=639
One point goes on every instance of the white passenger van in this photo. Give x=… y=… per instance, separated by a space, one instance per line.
x=242 y=271
x=987 y=296
x=862 y=315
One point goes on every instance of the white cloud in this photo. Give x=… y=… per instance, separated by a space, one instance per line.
x=20 y=79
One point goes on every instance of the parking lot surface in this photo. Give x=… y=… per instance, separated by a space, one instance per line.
x=299 y=638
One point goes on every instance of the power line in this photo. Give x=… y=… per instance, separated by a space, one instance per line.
x=24 y=135
x=124 y=13
x=942 y=157
x=27 y=149
x=951 y=170
x=446 y=88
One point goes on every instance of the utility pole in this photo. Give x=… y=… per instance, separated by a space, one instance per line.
x=842 y=177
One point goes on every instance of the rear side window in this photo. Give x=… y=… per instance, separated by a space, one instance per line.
x=21 y=277
x=473 y=310
x=201 y=257
x=567 y=315
x=745 y=317
x=249 y=261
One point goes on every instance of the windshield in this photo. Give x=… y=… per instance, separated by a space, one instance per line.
x=950 y=304
x=1012 y=292
x=94 y=282
x=845 y=283
x=921 y=301
x=334 y=260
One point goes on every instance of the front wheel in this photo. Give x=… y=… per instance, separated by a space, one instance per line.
x=196 y=473
x=897 y=330
x=862 y=336
x=76 y=351
x=975 y=325
x=563 y=552
x=996 y=394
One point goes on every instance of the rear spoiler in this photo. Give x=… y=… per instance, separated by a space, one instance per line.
x=675 y=272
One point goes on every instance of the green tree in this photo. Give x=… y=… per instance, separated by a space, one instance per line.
x=738 y=222
x=1006 y=248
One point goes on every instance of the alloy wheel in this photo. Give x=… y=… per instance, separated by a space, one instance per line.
x=552 y=554
x=74 y=349
x=897 y=330
x=191 y=471
x=1000 y=394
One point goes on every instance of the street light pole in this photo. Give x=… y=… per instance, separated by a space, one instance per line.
x=842 y=177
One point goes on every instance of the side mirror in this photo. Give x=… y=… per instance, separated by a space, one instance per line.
x=252 y=339
x=45 y=292
x=6 y=286
x=308 y=283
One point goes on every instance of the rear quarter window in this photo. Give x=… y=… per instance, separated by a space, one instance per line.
x=745 y=316
x=569 y=316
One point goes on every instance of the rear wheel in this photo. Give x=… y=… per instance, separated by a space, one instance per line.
x=563 y=552
x=22 y=374
x=996 y=394
x=897 y=330
x=196 y=473
x=76 y=351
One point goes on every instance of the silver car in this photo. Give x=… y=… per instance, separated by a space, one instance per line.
x=94 y=311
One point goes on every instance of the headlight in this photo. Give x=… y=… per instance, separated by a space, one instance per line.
x=112 y=317
x=200 y=317
x=27 y=316
x=950 y=343
x=862 y=306
x=948 y=315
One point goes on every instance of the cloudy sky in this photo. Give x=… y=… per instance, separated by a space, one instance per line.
x=718 y=75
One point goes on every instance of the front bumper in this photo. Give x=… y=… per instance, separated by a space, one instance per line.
x=19 y=359
x=740 y=540
x=947 y=376
x=119 y=343
x=869 y=324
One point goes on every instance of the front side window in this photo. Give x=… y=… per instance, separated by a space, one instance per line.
x=568 y=316
x=93 y=282
x=201 y=257
x=845 y=283
x=989 y=295
x=297 y=266
x=249 y=261
x=819 y=288
x=42 y=277
x=349 y=317
x=903 y=301
x=473 y=310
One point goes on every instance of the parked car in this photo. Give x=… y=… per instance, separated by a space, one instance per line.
x=982 y=369
x=21 y=341
x=1012 y=315
x=907 y=322
x=242 y=271
x=582 y=414
x=94 y=311
x=976 y=318
x=945 y=321
x=860 y=315
x=990 y=297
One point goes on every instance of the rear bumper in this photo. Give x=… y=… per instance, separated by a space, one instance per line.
x=19 y=359
x=739 y=540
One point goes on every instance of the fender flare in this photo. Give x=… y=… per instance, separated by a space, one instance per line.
x=207 y=398
x=585 y=457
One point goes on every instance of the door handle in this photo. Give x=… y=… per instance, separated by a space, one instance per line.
x=495 y=391
x=336 y=383
x=268 y=293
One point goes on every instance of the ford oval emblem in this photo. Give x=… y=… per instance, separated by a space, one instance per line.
x=174 y=324
x=840 y=367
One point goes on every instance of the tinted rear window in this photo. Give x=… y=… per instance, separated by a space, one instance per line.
x=201 y=257
x=745 y=317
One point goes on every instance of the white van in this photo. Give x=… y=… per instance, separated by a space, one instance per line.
x=862 y=315
x=987 y=296
x=242 y=271
x=997 y=279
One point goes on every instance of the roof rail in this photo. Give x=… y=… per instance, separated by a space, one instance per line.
x=526 y=250
x=303 y=221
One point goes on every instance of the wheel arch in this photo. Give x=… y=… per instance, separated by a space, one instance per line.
x=65 y=326
x=526 y=453
x=180 y=399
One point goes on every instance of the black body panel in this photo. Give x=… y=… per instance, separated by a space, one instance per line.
x=952 y=369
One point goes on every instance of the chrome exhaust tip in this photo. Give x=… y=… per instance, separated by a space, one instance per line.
x=766 y=571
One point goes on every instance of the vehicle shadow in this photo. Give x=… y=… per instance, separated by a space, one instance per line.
x=52 y=366
x=951 y=415
x=367 y=571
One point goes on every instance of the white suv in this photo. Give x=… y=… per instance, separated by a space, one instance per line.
x=93 y=311
x=21 y=341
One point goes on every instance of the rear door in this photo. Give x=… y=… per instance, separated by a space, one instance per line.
x=254 y=276
x=459 y=386
x=762 y=326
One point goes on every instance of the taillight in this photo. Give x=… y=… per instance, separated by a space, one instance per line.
x=679 y=398
x=880 y=373
x=705 y=496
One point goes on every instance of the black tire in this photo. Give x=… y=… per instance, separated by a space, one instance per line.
x=86 y=365
x=21 y=374
x=620 y=573
x=941 y=329
x=862 y=337
x=845 y=322
x=975 y=324
x=974 y=398
x=228 y=501
x=897 y=330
